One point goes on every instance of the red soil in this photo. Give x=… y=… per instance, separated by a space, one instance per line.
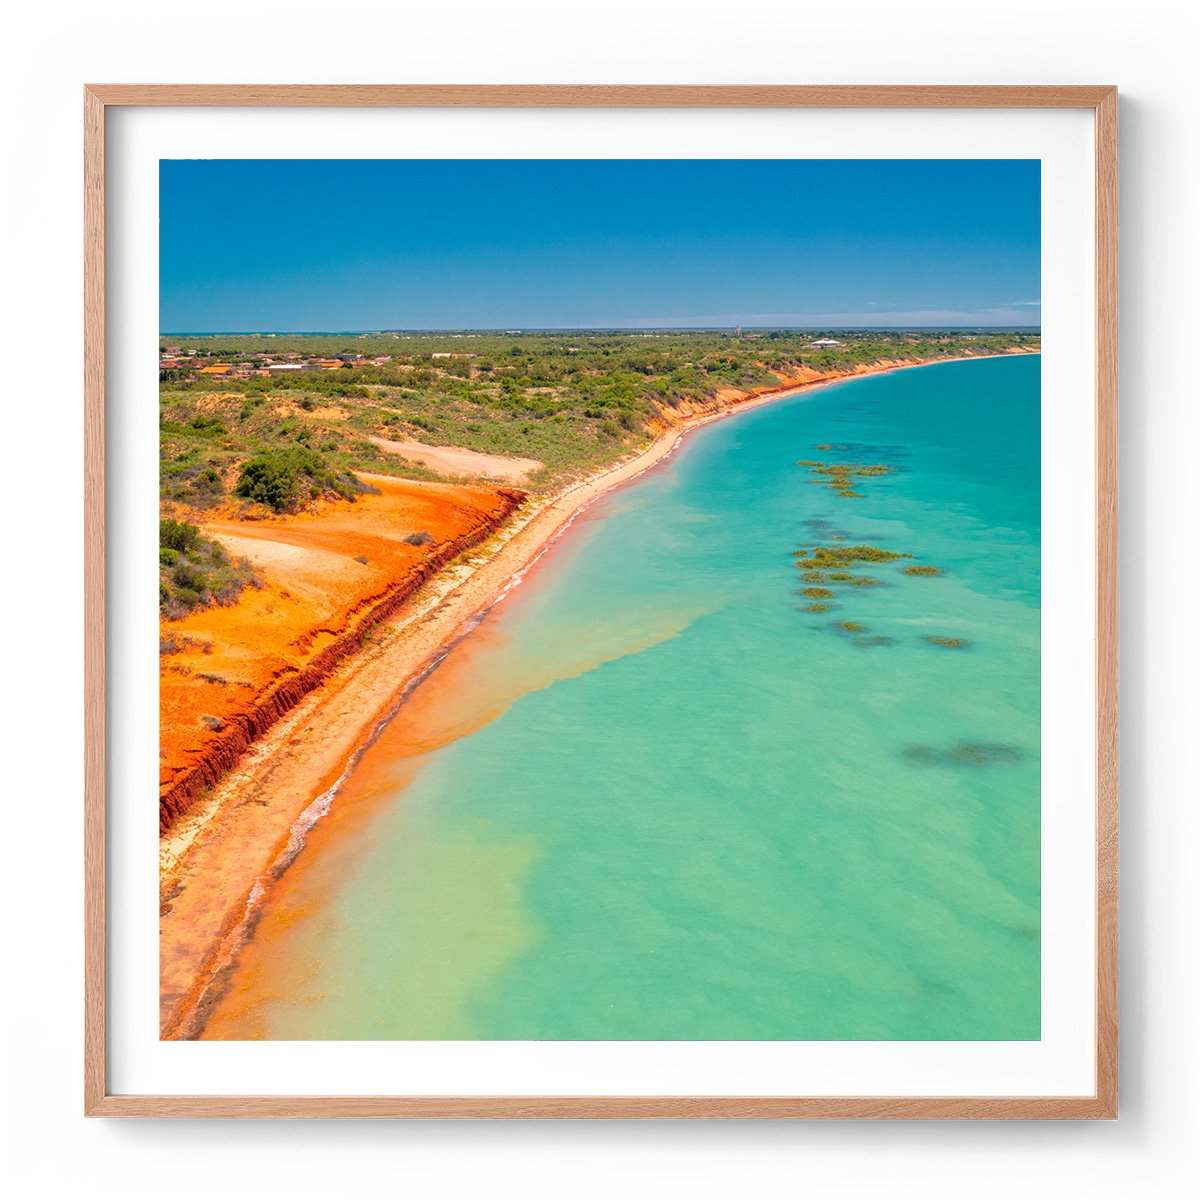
x=242 y=667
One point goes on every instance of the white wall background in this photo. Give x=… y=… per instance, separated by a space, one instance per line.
x=1147 y=49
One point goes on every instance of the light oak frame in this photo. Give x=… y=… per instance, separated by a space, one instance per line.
x=98 y=1101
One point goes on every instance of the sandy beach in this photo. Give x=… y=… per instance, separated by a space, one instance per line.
x=219 y=858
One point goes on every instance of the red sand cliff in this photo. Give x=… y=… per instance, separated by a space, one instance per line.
x=727 y=398
x=330 y=577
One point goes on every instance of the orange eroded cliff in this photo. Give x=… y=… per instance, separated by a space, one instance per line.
x=729 y=397
x=226 y=675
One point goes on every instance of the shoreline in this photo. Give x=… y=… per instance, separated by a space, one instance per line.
x=220 y=859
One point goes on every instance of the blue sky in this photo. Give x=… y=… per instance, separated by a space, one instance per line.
x=394 y=244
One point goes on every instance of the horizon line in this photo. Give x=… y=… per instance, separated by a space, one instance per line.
x=509 y=329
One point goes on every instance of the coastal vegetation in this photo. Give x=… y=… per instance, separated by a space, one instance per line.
x=573 y=401
x=285 y=478
x=195 y=572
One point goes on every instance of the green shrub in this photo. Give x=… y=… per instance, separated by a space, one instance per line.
x=283 y=478
x=188 y=577
x=178 y=535
x=197 y=572
x=184 y=600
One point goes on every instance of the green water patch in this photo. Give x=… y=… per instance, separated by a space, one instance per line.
x=948 y=643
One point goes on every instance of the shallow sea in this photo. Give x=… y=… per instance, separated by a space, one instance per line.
x=652 y=797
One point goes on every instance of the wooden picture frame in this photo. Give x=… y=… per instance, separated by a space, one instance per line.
x=1102 y=101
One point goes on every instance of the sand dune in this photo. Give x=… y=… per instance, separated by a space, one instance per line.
x=454 y=460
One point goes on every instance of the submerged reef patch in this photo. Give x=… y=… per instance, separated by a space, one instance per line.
x=830 y=563
x=840 y=557
x=964 y=754
x=840 y=477
x=825 y=566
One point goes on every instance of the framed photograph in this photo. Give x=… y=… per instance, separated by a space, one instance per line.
x=618 y=585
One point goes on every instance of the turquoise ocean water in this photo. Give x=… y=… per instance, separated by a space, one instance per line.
x=652 y=797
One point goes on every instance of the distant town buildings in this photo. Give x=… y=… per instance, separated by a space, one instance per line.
x=176 y=362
